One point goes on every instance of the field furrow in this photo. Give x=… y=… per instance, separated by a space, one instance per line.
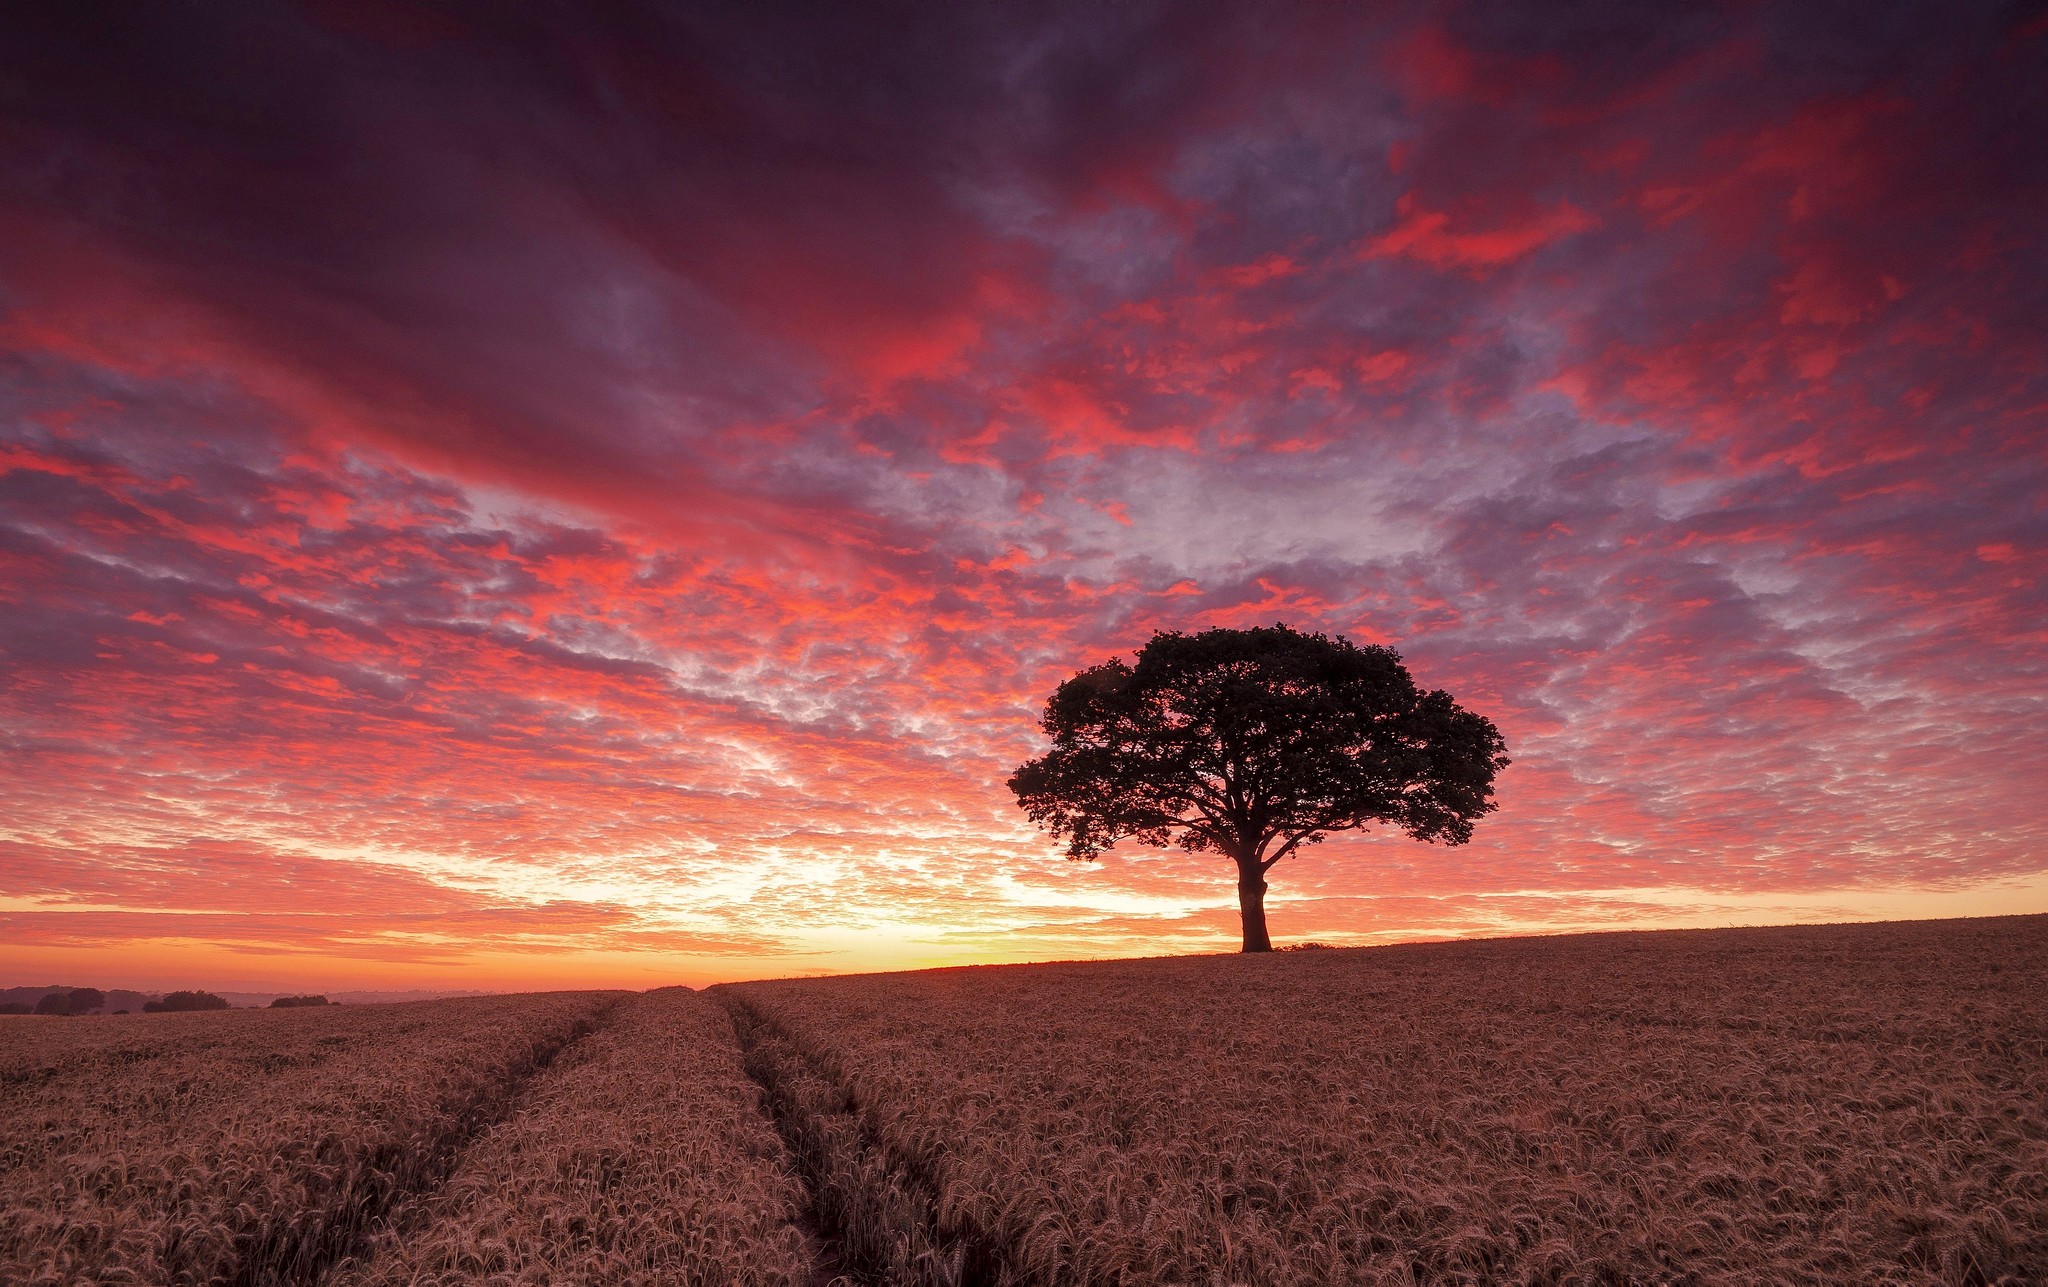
x=875 y=1206
x=642 y=1157
x=247 y=1148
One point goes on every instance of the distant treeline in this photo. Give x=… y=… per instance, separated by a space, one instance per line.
x=77 y=1001
x=25 y=999
x=70 y=999
x=73 y=1001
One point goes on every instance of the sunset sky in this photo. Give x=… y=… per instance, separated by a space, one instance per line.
x=502 y=496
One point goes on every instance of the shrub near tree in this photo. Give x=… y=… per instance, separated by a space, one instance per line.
x=185 y=1001
x=1250 y=744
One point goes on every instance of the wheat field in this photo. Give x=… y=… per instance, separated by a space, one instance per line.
x=643 y=1158
x=1845 y=1104
x=1826 y=1105
x=251 y=1146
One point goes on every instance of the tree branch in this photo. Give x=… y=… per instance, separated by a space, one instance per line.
x=1292 y=842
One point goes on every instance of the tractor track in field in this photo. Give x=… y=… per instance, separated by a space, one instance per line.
x=872 y=1210
x=305 y=1255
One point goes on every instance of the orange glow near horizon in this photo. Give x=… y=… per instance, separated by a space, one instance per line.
x=484 y=508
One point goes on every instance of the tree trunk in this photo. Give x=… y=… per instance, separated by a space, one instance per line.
x=1251 y=904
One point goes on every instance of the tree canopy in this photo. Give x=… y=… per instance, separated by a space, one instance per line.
x=74 y=1001
x=185 y=1001
x=1252 y=743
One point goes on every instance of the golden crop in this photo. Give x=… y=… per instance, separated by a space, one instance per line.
x=1835 y=1104
x=642 y=1158
x=1842 y=1104
x=244 y=1146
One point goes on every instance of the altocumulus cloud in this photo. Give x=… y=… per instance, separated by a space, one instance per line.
x=477 y=483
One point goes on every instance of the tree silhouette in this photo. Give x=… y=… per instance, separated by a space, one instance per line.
x=177 y=1001
x=1250 y=744
x=72 y=1001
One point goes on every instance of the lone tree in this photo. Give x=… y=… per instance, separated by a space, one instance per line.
x=1250 y=744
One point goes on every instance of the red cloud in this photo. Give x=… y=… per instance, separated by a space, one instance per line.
x=633 y=498
x=1428 y=237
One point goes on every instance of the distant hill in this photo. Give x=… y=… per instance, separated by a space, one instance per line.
x=131 y=1001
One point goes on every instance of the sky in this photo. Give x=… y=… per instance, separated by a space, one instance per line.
x=546 y=496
